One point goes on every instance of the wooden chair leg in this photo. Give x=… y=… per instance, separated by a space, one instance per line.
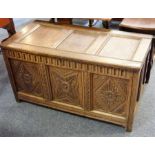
x=10 y=28
x=150 y=64
x=105 y=24
x=52 y=20
x=91 y=22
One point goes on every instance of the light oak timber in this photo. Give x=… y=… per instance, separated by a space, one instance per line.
x=144 y=24
x=85 y=71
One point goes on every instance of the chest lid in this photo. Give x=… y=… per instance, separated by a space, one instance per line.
x=92 y=45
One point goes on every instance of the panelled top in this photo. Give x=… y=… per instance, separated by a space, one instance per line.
x=83 y=44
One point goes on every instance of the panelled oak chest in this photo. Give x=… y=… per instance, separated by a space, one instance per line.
x=89 y=72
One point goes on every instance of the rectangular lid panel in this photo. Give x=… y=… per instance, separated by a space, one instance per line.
x=78 y=41
x=120 y=47
x=45 y=36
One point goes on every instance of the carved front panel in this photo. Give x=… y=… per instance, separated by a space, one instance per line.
x=110 y=94
x=66 y=86
x=28 y=77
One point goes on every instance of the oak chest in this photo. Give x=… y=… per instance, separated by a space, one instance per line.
x=89 y=72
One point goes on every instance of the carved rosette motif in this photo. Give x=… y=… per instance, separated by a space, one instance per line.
x=27 y=77
x=110 y=94
x=66 y=86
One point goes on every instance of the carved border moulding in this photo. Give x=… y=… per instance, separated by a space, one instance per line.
x=70 y=64
x=110 y=95
x=87 y=98
x=25 y=56
x=46 y=83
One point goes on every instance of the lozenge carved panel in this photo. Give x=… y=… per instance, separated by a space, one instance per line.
x=110 y=94
x=28 y=77
x=66 y=86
